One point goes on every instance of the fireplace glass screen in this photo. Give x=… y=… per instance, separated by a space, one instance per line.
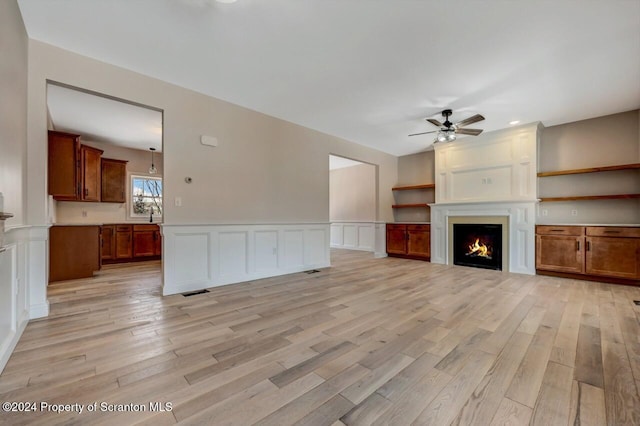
x=477 y=245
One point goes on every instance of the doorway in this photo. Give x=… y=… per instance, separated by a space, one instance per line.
x=352 y=204
x=105 y=183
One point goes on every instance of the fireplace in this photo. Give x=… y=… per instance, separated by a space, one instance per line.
x=477 y=245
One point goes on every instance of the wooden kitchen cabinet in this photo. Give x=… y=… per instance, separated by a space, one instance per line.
x=124 y=242
x=600 y=253
x=74 y=170
x=64 y=166
x=560 y=248
x=409 y=240
x=90 y=172
x=74 y=252
x=113 y=180
x=144 y=240
x=108 y=242
x=134 y=242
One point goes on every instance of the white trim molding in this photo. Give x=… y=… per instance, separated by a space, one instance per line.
x=201 y=256
x=353 y=235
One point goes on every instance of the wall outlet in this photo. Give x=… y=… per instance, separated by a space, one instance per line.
x=178 y=202
x=84 y=213
x=545 y=212
x=574 y=212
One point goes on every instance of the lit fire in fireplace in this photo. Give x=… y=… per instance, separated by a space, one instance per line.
x=479 y=249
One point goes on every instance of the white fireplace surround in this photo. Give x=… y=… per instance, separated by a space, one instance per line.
x=521 y=230
x=493 y=175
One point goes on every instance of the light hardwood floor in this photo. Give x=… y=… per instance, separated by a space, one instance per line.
x=368 y=341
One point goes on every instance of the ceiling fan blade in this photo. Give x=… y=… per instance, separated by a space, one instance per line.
x=435 y=122
x=472 y=132
x=423 y=133
x=470 y=120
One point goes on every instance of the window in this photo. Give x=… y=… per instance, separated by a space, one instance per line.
x=146 y=196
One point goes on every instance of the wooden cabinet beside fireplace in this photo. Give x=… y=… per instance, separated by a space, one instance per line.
x=412 y=241
x=606 y=253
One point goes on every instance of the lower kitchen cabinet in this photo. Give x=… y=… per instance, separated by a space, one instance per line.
x=409 y=240
x=146 y=240
x=602 y=253
x=131 y=243
x=74 y=252
x=124 y=242
x=108 y=242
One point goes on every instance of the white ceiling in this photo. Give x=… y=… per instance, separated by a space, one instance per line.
x=370 y=71
x=102 y=119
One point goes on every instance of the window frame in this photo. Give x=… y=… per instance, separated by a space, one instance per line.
x=130 y=196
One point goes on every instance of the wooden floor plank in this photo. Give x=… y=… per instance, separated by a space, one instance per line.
x=367 y=341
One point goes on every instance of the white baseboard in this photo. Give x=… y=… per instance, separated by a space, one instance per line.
x=201 y=256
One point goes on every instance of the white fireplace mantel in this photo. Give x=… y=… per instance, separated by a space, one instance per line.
x=492 y=175
x=521 y=230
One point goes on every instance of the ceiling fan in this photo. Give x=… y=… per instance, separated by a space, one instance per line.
x=448 y=130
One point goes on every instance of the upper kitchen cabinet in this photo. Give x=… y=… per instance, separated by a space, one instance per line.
x=114 y=179
x=91 y=173
x=74 y=169
x=64 y=166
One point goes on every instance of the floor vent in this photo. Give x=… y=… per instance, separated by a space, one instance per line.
x=313 y=271
x=637 y=302
x=193 y=293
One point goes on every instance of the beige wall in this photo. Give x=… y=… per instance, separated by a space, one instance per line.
x=264 y=169
x=13 y=110
x=352 y=194
x=138 y=163
x=602 y=141
x=415 y=169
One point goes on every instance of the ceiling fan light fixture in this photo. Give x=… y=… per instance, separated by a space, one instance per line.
x=451 y=136
x=441 y=137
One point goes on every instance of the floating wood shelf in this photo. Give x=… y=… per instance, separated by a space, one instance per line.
x=410 y=187
x=407 y=206
x=592 y=197
x=591 y=170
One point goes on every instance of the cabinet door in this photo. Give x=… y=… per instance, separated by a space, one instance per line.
x=74 y=252
x=64 y=166
x=114 y=180
x=560 y=253
x=419 y=240
x=144 y=243
x=613 y=257
x=124 y=246
x=396 y=239
x=108 y=242
x=91 y=172
x=158 y=243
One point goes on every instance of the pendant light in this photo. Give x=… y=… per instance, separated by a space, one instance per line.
x=152 y=169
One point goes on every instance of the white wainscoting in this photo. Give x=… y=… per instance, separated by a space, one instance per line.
x=23 y=284
x=354 y=235
x=201 y=256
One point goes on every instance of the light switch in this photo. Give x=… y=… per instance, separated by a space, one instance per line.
x=178 y=202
